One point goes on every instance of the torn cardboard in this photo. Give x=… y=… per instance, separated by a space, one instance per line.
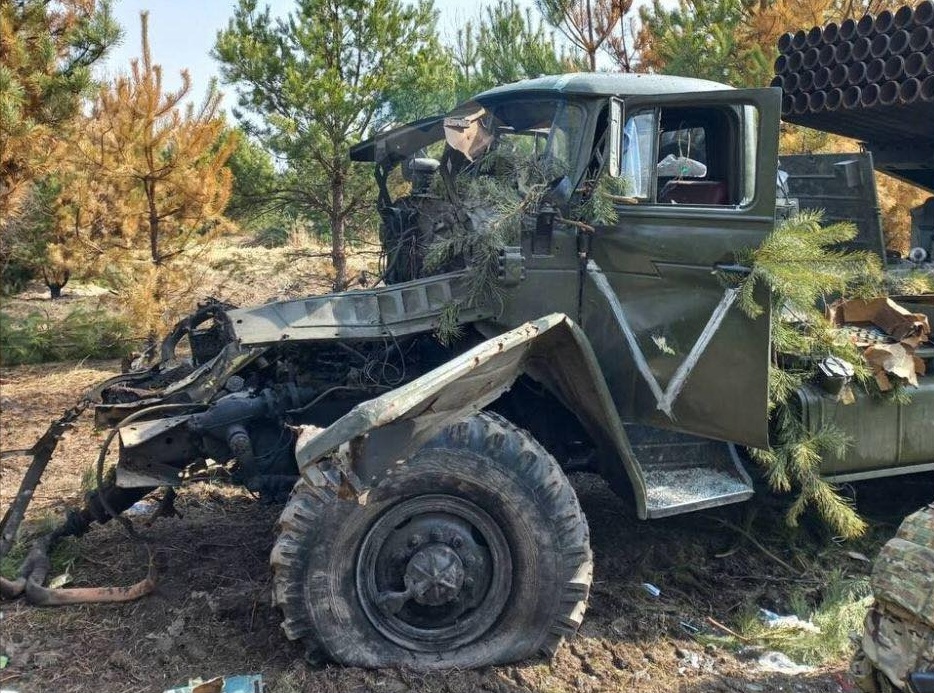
x=468 y=133
x=909 y=330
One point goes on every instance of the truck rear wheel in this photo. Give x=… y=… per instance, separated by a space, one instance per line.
x=473 y=552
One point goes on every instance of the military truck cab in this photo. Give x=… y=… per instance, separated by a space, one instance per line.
x=430 y=420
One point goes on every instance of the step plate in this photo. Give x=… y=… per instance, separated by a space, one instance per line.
x=684 y=473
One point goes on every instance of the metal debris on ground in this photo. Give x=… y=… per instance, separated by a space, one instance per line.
x=651 y=589
x=250 y=683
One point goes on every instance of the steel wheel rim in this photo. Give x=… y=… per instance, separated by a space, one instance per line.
x=472 y=566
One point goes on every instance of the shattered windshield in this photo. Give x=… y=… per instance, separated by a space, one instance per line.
x=544 y=134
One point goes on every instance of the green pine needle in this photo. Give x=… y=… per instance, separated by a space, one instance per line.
x=803 y=267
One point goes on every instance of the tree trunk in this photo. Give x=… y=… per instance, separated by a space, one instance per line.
x=55 y=284
x=156 y=257
x=338 y=235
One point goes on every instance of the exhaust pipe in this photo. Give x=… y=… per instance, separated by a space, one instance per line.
x=806 y=80
x=826 y=55
x=788 y=105
x=847 y=30
x=822 y=77
x=904 y=17
x=795 y=60
x=777 y=81
x=790 y=83
x=885 y=22
x=927 y=89
x=894 y=67
x=811 y=57
x=834 y=99
x=799 y=40
x=865 y=25
x=920 y=38
x=784 y=43
x=924 y=13
x=814 y=36
x=869 y=96
x=888 y=93
x=862 y=47
x=879 y=46
x=839 y=76
x=852 y=97
x=875 y=71
x=929 y=63
x=831 y=33
x=817 y=101
x=909 y=91
x=801 y=103
x=781 y=65
x=914 y=65
x=843 y=52
x=899 y=41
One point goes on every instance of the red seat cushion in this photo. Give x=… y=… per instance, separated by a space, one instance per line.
x=695 y=192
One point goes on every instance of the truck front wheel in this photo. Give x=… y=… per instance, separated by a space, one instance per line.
x=472 y=552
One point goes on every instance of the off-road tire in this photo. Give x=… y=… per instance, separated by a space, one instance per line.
x=489 y=463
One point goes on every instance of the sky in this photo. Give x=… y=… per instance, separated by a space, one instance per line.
x=182 y=33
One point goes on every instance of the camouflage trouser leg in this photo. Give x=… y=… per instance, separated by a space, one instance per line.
x=894 y=644
x=866 y=677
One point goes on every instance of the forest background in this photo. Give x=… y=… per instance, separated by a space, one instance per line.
x=128 y=186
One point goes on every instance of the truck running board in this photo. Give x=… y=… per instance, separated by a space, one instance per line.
x=684 y=473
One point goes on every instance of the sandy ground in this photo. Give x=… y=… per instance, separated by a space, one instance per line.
x=211 y=614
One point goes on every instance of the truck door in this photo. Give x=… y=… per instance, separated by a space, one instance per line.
x=698 y=173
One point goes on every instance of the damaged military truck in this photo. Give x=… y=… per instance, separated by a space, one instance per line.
x=421 y=430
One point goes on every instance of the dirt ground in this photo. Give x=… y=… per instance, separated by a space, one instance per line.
x=211 y=614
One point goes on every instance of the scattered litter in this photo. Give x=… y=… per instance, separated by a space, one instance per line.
x=621 y=626
x=856 y=555
x=688 y=660
x=773 y=620
x=4 y=660
x=689 y=628
x=651 y=589
x=143 y=507
x=251 y=683
x=59 y=581
x=780 y=663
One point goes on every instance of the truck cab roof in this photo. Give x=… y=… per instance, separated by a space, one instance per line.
x=602 y=84
x=398 y=142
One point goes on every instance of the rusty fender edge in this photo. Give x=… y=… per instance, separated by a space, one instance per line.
x=386 y=430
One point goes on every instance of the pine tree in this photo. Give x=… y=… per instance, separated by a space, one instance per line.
x=589 y=25
x=148 y=185
x=47 y=51
x=311 y=85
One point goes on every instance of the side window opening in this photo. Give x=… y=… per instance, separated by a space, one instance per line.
x=687 y=155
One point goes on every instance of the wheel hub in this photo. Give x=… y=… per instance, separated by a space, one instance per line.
x=433 y=572
x=434 y=575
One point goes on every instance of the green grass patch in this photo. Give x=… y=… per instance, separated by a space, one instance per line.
x=63 y=555
x=839 y=612
x=80 y=334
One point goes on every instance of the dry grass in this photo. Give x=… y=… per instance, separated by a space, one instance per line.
x=211 y=614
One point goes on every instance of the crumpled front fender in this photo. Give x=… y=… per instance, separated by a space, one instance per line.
x=386 y=430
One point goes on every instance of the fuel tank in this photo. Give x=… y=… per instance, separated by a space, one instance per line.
x=887 y=437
